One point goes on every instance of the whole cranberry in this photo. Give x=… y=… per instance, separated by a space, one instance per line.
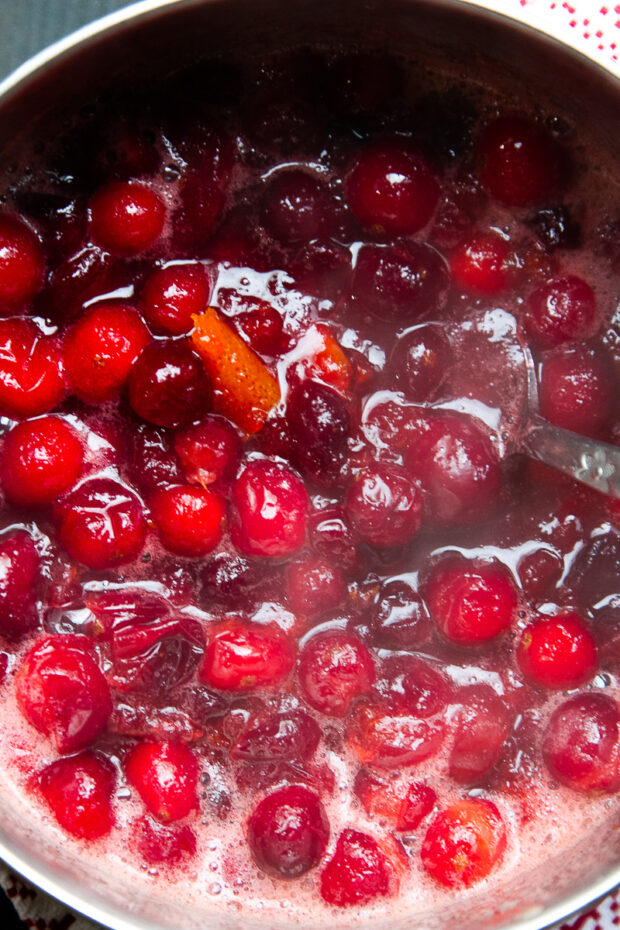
x=288 y=832
x=322 y=267
x=189 y=520
x=332 y=538
x=392 y=739
x=126 y=217
x=297 y=206
x=209 y=451
x=320 y=423
x=22 y=264
x=464 y=843
x=244 y=656
x=557 y=652
x=165 y=775
x=264 y=329
x=384 y=506
x=168 y=385
x=269 y=510
x=31 y=370
x=411 y=684
x=158 y=844
x=172 y=295
x=289 y=736
x=482 y=726
x=479 y=264
x=399 y=282
x=357 y=873
x=521 y=162
x=152 y=461
x=19 y=583
x=313 y=586
x=79 y=791
x=562 y=310
x=399 y=619
x=334 y=669
x=581 y=746
x=41 y=460
x=577 y=392
x=420 y=360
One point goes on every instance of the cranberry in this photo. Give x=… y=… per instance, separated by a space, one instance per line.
x=482 y=726
x=403 y=805
x=557 y=652
x=581 y=746
x=521 y=162
x=334 y=669
x=101 y=523
x=242 y=657
x=297 y=206
x=269 y=510
x=413 y=685
x=479 y=265
x=322 y=267
x=79 y=792
x=463 y=843
x=313 y=586
x=392 y=739
x=290 y=736
x=562 y=310
x=357 y=872
x=152 y=462
x=172 y=295
x=157 y=656
x=332 y=538
x=20 y=580
x=391 y=188
x=126 y=217
x=168 y=385
x=421 y=359
x=203 y=188
x=62 y=692
x=41 y=460
x=418 y=802
x=189 y=520
x=165 y=775
x=263 y=327
x=320 y=423
x=101 y=348
x=209 y=452
x=31 y=370
x=228 y=579
x=22 y=264
x=458 y=469
x=471 y=601
x=399 y=282
x=539 y=570
x=577 y=392
x=288 y=832
x=86 y=274
x=384 y=506
x=162 y=845
x=399 y=619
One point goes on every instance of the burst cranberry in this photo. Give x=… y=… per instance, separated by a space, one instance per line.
x=521 y=162
x=165 y=775
x=172 y=295
x=86 y=274
x=22 y=264
x=290 y=736
x=479 y=265
x=263 y=327
x=62 y=692
x=152 y=462
x=242 y=657
x=189 y=520
x=557 y=652
x=101 y=348
x=168 y=385
x=41 y=460
x=390 y=739
x=228 y=579
x=322 y=267
x=162 y=845
x=297 y=207
x=79 y=792
x=469 y=601
x=413 y=685
x=464 y=843
x=313 y=586
x=421 y=359
x=482 y=726
x=155 y=657
x=581 y=746
x=399 y=282
x=458 y=469
x=288 y=832
x=31 y=370
x=332 y=538
x=320 y=423
x=101 y=524
x=385 y=506
x=403 y=805
x=126 y=218
x=540 y=570
x=334 y=669
x=562 y=310
x=20 y=580
x=269 y=510
x=209 y=452
x=399 y=619
x=577 y=392
x=357 y=873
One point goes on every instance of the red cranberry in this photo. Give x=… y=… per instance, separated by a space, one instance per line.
x=79 y=792
x=482 y=726
x=577 y=392
x=323 y=268
x=581 y=745
x=101 y=348
x=209 y=452
x=334 y=669
x=421 y=359
x=404 y=806
x=203 y=188
x=20 y=580
x=152 y=462
x=172 y=295
x=168 y=385
x=399 y=619
x=290 y=736
x=297 y=206
x=384 y=506
x=22 y=264
x=189 y=520
x=165 y=775
x=41 y=460
x=470 y=601
x=126 y=217
x=458 y=469
x=156 y=657
x=399 y=282
x=418 y=802
x=269 y=510
x=357 y=873
x=392 y=739
x=332 y=539
x=243 y=657
x=557 y=652
x=391 y=188
x=62 y=692
x=479 y=264
x=313 y=586
x=86 y=274
x=263 y=327
x=101 y=524
x=31 y=371
x=229 y=579
x=413 y=685
x=562 y=310
x=463 y=843
x=540 y=570
x=320 y=423
x=521 y=162
x=288 y=832
x=161 y=845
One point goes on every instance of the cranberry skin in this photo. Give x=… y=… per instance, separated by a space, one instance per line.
x=229 y=579
x=463 y=843
x=101 y=348
x=458 y=469
x=562 y=310
x=41 y=460
x=322 y=267
x=357 y=873
x=126 y=218
x=264 y=329
x=482 y=726
x=399 y=283
x=101 y=524
x=420 y=360
x=79 y=792
x=391 y=188
x=384 y=506
x=319 y=421
x=269 y=510
x=399 y=619
x=557 y=652
x=288 y=832
x=334 y=669
x=413 y=685
x=165 y=775
x=581 y=745
x=168 y=385
x=297 y=207
x=471 y=602
x=313 y=586
x=161 y=845
x=479 y=265
x=577 y=392
x=332 y=538
x=62 y=692
x=31 y=370
x=22 y=264
x=404 y=807
x=521 y=162
x=86 y=274
x=540 y=570
x=291 y=736
x=189 y=520
x=152 y=462
x=20 y=579
x=243 y=657
x=210 y=451
x=391 y=739
x=172 y=295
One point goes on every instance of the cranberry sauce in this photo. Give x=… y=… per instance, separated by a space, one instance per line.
x=282 y=611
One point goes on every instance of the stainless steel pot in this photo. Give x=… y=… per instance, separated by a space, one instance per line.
x=458 y=39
